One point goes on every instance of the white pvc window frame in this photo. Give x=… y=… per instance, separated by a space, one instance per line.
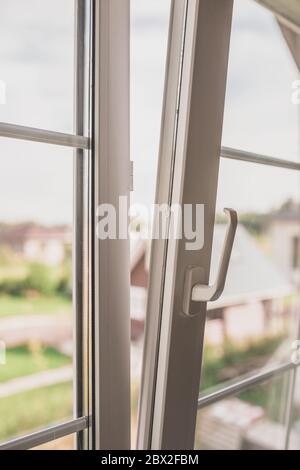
x=101 y=268
x=111 y=353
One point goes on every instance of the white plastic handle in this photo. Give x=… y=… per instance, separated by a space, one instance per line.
x=194 y=291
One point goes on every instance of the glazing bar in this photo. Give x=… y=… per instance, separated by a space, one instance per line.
x=234 y=154
x=237 y=387
x=46 y=435
x=13 y=131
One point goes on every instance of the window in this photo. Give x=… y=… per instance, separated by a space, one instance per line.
x=220 y=368
x=72 y=168
x=44 y=176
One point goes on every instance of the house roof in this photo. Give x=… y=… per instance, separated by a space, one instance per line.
x=252 y=275
x=290 y=211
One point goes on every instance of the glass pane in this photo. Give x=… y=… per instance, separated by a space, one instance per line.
x=254 y=322
x=36 y=63
x=149 y=30
x=35 y=286
x=259 y=114
x=251 y=420
x=64 y=443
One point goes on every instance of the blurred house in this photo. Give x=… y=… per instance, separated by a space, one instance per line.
x=284 y=231
x=223 y=425
x=252 y=304
x=36 y=242
x=233 y=424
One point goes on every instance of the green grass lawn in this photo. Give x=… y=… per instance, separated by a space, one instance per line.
x=25 y=412
x=11 y=306
x=236 y=360
x=22 y=361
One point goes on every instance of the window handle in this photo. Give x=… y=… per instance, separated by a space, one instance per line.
x=194 y=289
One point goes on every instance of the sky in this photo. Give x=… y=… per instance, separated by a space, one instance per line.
x=36 y=64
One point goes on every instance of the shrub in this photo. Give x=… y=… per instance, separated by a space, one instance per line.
x=64 y=288
x=12 y=287
x=40 y=279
